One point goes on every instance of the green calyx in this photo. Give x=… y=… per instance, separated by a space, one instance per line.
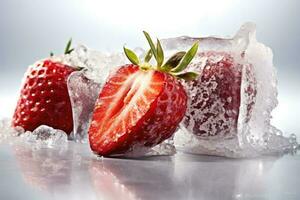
x=175 y=65
x=68 y=48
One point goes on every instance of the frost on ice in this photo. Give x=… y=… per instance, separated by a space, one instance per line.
x=45 y=136
x=231 y=116
x=42 y=137
x=83 y=94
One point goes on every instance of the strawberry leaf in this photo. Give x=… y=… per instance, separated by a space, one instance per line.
x=148 y=56
x=160 y=54
x=173 y=61
x=187 y=58
x=68 y=48
x=131 y=56
x=188 y=76
x=152 y=46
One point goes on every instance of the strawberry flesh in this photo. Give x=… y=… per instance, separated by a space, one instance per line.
x=136 y=107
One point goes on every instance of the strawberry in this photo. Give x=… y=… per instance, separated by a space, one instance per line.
x=140 y=104
x=44 y=98
x=215 y=96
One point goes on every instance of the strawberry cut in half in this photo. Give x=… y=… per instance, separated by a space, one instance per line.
x=140 y=105
x=44 y=98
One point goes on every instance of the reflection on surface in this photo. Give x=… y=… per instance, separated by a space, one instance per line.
x=207 y=177
x=134 y=179
x=55 y=173
x=75 y=173
x=42 y=169
x=107 y=185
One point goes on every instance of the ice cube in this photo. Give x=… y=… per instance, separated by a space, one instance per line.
x=230 y=103
x=84 y=85
x=83 y=94
x=45 y=136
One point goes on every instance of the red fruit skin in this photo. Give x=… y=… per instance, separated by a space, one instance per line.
x=214 y=108
x=44 y=98
x=157 y=124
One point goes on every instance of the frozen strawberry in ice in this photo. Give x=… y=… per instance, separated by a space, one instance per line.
x=44 y=98
x=215 y=96
x=140 y=104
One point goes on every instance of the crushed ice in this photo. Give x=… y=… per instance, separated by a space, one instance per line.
x=97 y=65
x=45 y=136
x=42 y=137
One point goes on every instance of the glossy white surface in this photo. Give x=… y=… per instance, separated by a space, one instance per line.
x=75 y=173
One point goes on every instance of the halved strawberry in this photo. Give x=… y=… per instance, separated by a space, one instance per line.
x=140 y=105
x=44 y=98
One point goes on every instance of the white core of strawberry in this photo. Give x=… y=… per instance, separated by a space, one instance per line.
x=139 y=86
x=136 y=84
x=116 y=97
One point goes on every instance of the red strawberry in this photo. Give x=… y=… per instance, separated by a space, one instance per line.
x=44 y=97
x=214 y=102
x=140 y=105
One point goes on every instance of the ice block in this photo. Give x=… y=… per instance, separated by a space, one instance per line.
x=230 y=103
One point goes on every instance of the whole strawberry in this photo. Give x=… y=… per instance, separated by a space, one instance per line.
x=215 y=96
x=44 y=98
x=140 y=105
